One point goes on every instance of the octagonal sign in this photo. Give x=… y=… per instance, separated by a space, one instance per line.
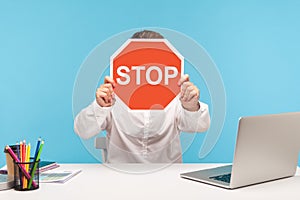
x=146 y=72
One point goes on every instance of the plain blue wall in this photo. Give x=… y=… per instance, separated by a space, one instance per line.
x=255 y=45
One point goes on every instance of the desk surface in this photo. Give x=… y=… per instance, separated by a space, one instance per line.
x=97 y=181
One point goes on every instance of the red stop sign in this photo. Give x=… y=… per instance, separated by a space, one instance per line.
x=146 y=72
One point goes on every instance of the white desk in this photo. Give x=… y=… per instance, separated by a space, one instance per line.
x=100 y=182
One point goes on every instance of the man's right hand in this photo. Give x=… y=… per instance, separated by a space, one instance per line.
x=105 y=96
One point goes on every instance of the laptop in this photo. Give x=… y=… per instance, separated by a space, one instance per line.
x=266 y=149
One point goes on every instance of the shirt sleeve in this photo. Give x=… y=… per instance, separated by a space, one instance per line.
x=193 y=121
x=91 y=120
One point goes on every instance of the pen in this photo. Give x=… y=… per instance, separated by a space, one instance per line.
x=21 y=151
x=20 y=158
x=13 y=155
x=18 y=150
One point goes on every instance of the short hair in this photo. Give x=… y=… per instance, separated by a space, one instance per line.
x=147 y=34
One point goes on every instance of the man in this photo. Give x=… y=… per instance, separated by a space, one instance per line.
x=143 y=136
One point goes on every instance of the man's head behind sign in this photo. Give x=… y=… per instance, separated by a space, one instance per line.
x=146 y=34
x=146 y=69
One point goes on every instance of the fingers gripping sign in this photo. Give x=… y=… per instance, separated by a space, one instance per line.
x=189 y=94
x=105 y=96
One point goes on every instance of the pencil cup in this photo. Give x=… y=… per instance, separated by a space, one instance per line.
x=9 y=160
x=26 y=175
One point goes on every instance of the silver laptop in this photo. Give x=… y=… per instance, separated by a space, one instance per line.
x=266 y=149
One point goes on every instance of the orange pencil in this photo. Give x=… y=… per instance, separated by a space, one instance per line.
x=25 y=166
x=24 y=160
x=21 y=159
x=21 y=151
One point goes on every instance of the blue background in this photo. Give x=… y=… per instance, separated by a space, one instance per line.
x=255 y=45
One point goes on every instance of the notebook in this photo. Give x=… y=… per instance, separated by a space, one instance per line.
x=6 y=182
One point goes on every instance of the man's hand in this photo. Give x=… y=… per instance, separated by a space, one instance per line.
x=189 y=95
x=105 y=93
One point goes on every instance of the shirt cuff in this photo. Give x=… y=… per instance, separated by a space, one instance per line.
x=202 y=109
x=99 y=110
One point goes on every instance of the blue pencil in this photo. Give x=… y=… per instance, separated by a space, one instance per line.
x=36 y=152
x=37 y=148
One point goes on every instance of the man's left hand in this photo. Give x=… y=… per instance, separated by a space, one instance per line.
x=189 y=95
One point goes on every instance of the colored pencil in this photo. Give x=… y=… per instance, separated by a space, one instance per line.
x=24 y=165
x=37 y=147
x=36 y=152
x=22 y=160
x=27 y=159
x=35 y=164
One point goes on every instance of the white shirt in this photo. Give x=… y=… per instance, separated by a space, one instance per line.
x=141 y=136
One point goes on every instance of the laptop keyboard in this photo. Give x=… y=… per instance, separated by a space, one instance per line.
x=223 y=178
